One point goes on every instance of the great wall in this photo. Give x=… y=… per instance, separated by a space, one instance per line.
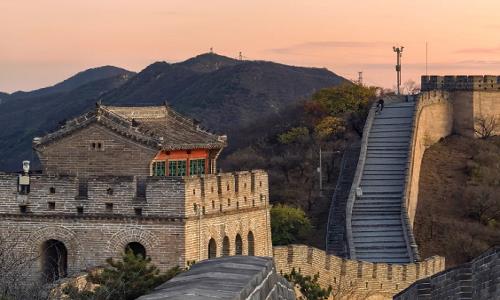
x=210 y=215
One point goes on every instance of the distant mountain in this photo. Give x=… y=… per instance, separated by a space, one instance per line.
x=3 y=97
x=224 y=93
x=75 y=81
x=208 y=62
x=24 y=118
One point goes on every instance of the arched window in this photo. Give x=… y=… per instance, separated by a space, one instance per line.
x=136 y=248
x=54 y=260
x=251 y=244
x=238 y=245
x=212 y=249
x=225 y=246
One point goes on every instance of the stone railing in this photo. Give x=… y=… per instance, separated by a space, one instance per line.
x=357 y=180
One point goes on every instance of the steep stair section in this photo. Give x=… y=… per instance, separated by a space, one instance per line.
x=377 y=230
x=336 y=240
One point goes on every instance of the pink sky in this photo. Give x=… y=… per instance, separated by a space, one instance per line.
x=44 y=42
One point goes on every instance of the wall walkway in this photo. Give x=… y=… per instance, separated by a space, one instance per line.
x=377 y=228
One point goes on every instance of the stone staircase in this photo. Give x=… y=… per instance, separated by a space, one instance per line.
x=377 y=230
x=336 y=242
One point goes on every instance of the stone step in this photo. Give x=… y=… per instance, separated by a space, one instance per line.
x=389 y=243
x=397 y=167
x=372 y=210
x=387 y=260
x=385 y=161
x=382 y=255
x=382 y=177
x=377 y=207
x=382 y=182
x=393 y=233
x=376 y=223
x=388 y=139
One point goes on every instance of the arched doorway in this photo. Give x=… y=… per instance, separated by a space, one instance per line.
x=212 y=249
x=54 y=260
x=251 y=244
x=136 y=248
x=238 y=245
x=225 y=246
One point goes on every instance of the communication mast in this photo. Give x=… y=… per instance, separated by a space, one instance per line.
x=240 y=56
x=360 y=78
x=398 y=51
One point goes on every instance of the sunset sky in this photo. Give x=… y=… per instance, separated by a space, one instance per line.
x=44 y=42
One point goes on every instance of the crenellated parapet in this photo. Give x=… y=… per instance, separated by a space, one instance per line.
x=354 y=277
x=160 y=197
x=460 y=83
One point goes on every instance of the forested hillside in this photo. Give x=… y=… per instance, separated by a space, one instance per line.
x=288 y=146
x=458 y=214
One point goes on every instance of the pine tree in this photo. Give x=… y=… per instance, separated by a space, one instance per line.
x=124 y=279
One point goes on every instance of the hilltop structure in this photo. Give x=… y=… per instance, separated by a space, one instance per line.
x=139 y=178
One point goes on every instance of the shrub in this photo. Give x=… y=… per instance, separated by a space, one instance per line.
x=309 y=286
x=124 y=279
x=288 y=224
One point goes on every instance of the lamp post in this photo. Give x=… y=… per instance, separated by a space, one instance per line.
x=398 y=51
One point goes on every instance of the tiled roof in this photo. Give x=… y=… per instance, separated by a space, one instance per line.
x=156 y=126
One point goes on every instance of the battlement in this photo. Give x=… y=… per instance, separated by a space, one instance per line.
x=361 y=277
x=172 y=198
x=461 y=83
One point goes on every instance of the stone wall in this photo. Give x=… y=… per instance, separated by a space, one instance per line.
x=478 y=279
x=95 y=151
x=433 y=120
x=352 y=277
x=174 y=221
x=438 y=114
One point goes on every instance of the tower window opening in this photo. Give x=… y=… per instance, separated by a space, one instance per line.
x=23 y=209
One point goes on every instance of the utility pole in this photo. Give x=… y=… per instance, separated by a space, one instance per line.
x=426 y=59
x=320 y=175
x=398 y=51
x=360 y=78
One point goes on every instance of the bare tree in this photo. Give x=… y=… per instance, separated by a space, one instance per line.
x=16 y=270
x=486 y=126
x=410 y=87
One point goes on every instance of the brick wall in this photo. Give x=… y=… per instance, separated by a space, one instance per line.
x=74 y=154
x=354 y=278
x=171 y=228
x=478 y=279
x=227 y=205
x=164 y=196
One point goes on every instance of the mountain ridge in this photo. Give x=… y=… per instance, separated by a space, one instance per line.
x=74 y=81
x=223 y=93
